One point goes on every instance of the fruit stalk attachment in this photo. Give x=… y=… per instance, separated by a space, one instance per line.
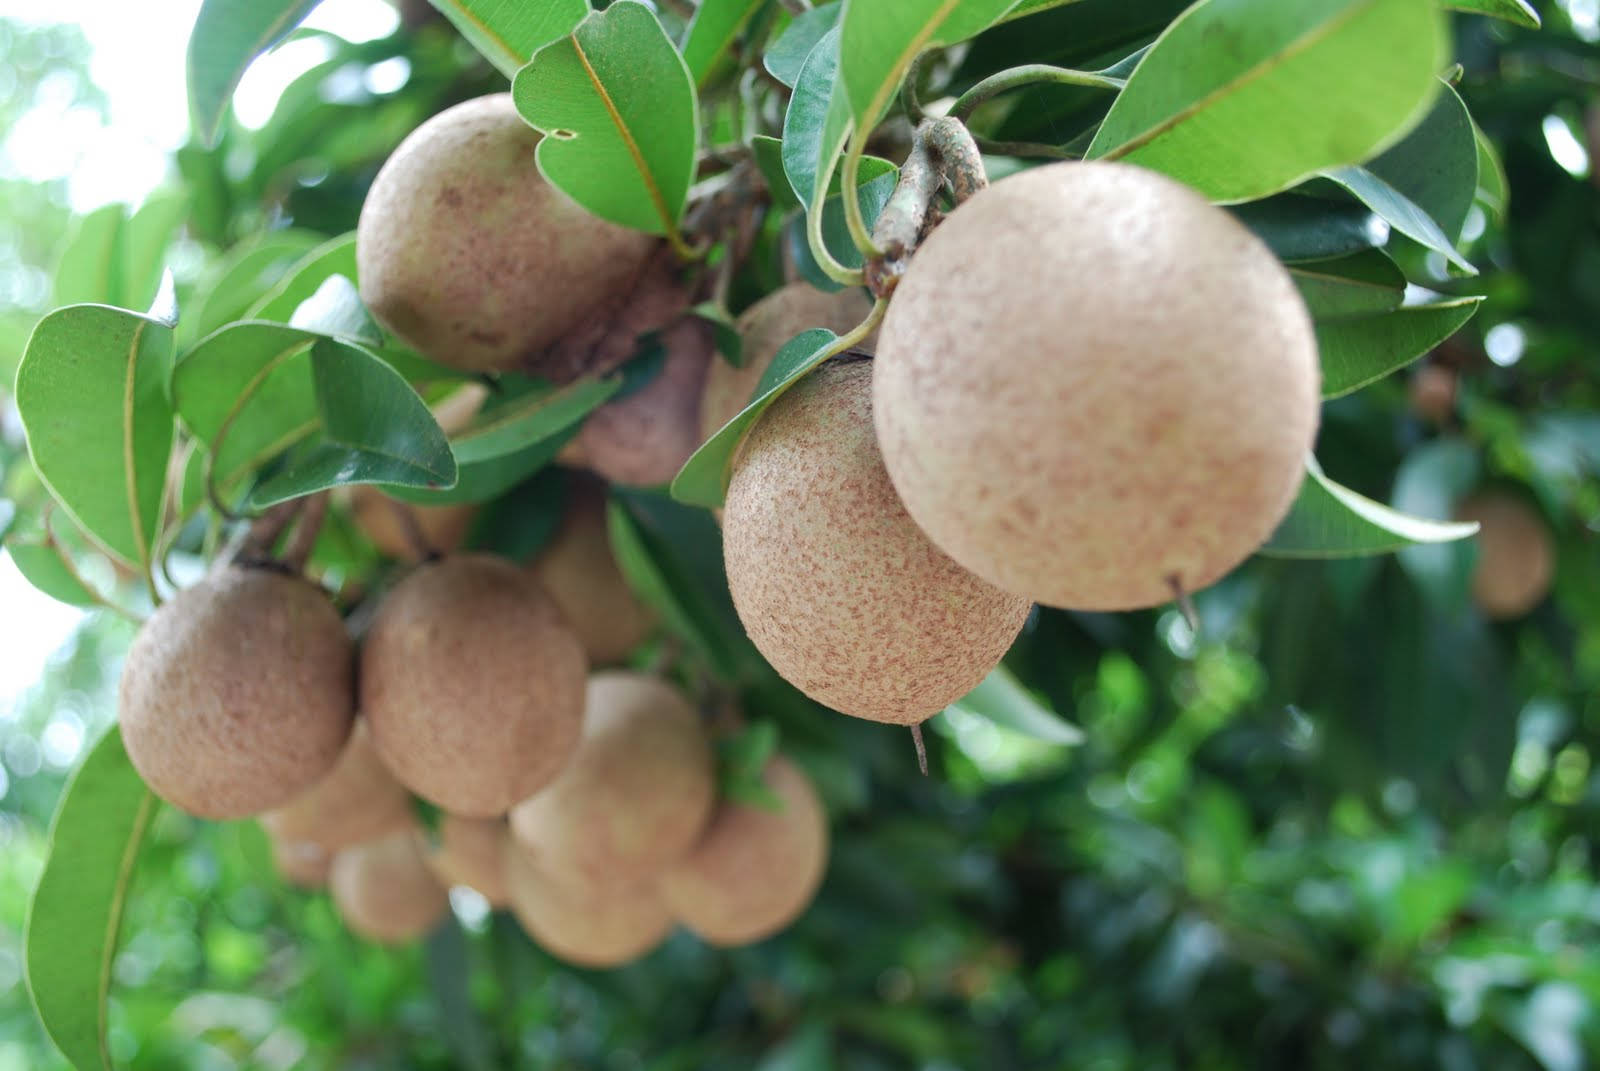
x=942 y=152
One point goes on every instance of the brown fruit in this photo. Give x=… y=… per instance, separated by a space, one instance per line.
x=465 y=252
x=756 y=870
x=301 y=863
x=1432 y=392
x=357 y=800
x=1516 y=556
x=470 y=852
x=838 y=588
x=1094 y=386
x=645 y=438
x=473 y=684
x=237 y=694
x=384 y=891
x=603 y=926
x=763 y=329
x=637 y=793
x=579 y=571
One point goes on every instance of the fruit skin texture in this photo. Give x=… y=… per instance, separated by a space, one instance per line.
x=467 y=254
x=763 y=329
x=1516 y=557
x=606 y=925
x=637 y=794
x=357 y=800
x=580 y=572
x=473 y=684
x=384 y=891
x=835 y=585
x=1091 y=382
x=237 y=695
x=756 y=870
x=470 y=852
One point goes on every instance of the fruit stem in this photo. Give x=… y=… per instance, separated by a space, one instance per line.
x=942 y=151
x=412 y=530
x=1185 y=604
x=257 y=541
x=1025 y=75
x=922 y=749
x=298 y=550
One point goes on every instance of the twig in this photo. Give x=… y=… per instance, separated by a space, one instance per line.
x=942 y=151
x=922 y=749
x=298 y=550
x=257 y=541
x=411 y=529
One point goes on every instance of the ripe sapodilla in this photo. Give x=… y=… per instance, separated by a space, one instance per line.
x=384 y=891
x=1094 y=388
x=835 y=585
x=756 y=870
x=637 y=793
x=470 y=852
x=1516 y=557
x=237 y=695
x=472 y=683
x=605 y=925
x=357 y=800
x=466 y=253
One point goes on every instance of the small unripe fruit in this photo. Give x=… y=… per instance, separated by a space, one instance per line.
x=472 y=684
x=1516 y=557
x=470 y=852
x=756 y=870
x=836 y=586
x=636 y=794
x=606 y=925
x=384 y=891
x=301 y=863
x=1094 y=388
x=237 y=694
x=357 y=800
x=467 y=254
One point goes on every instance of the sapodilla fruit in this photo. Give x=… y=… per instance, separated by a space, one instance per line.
x=1516 y=557
x=637 y=793
x=1432 y=393
x=237 y=695
x=605 y=925
x=357 y=800
x=384 y=891
x=467 y=254
x=756 y=870
x=763 y=329
x=301 y=862
x=835 y=585
x=1094 y=388
x=470 y=852
x=472 y=684
x=580 y=572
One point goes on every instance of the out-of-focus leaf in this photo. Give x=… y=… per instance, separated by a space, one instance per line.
x=228 y=35
x=1435 y=166
x=715 y=25
x=1302 y=229
x=1359 y=349
x=1399 y=211
x=1330 y=521
x=1518 y=11
x=45 y=565
x=1002 y=699
x=788 y=53
x=508 y=32
x=878 y=42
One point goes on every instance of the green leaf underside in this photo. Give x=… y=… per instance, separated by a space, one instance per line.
x=1358 y=350
x=1518 y=11
x=1330 y=521
x=479 y=481
x=508 y=32
x=1225 y=70
x=228 y=35
x=45 y=565
x=715 y=25
x=704 y=478
x=76 y=912
x=878 y=41
x=1398 y=210
x=788 y=53
x=1356 y=285
x=1303 y=229
x=618 y=108
x=1435 y=167
x=817 y=122
x=1493 y=186
x=1002 y=699
x=91 y=391
x=538 y=412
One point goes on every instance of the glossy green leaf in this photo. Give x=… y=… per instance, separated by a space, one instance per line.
x=1302 y=229
x=480 y=481
x=336 y=310
x=252 y=269
x=1493 y=186
x=1399 y=211
x=44 y=563
x=536 y=412
x=1227 y=70
x=1357 y=350
x=1357 y=285
x=768 y=153
x=76 y=912
x=715 y=26
x=878 y=41
x=873 y=196
x=618 y=108
x=787 y=55
x=336 y=256
x=704 y=478
x=1435 y=167
x=509 y=32
x=816 y=125
x=228 y=35
x=92 y=393
x=1518 y=11
x=1330 y=521
x=1002 y=699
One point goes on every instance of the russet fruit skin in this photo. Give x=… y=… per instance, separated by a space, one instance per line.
x=357 y=800
x=384 y=891
x=1093 y=385
x=763 y=329
x=637 y=793
x=301 y=863
x=470 y=852
x=237 y=695
x=606 y=925
x=580 y=572
x=835 y=585
x=473 y=684
x=1516 y=556
x=467 y=254
x=756 y=870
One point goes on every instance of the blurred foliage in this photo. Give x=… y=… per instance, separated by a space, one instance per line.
x=1348 y=823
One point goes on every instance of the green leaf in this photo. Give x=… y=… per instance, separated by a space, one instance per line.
x=1435 y=166
x=76 y=911
x=1357 y=350
x=715 y=25
x=1300 y=228
x=251 y=269
x=1493 y=186
x=45 y=565
x=1330 y=521
x=1518 y=11
x=878 y=41
x=228 y=35
x=1334 y=81
x=1399 y=211
x=618 y=108
x=703 y=481
x=480 y=481
x=1367 y=282
x=336 y=310
x=509 y=32
x=536 y=412
x=742 y=758
x=1002 y=699
x=873 y=196
x=816 y=125
x=336 y=256
x=768 y=153
x=92 y=394
x=787 y=55
x=116 y=259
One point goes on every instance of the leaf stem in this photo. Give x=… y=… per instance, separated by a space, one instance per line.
x=1026 y=75
x=859 y=234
